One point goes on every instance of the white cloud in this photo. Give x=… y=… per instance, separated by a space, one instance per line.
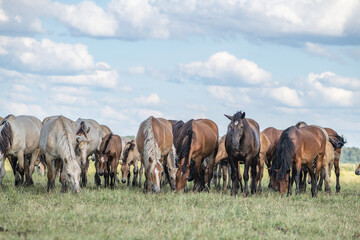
x=286 y=96
x=152 y=99
x=45 y=56
x=320 y=51
x=321 y=87
x=18 y=108
x=137 y=70
x=226 y=69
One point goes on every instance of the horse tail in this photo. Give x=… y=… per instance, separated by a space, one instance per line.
x=107 y=143
x=6 y=137
x=66 y=150
x=337 y=141
x=186 y=147
x=151 y=147
x=284 y=153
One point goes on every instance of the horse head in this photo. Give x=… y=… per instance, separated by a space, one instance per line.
x=236 y=128
x=81 y=148
x=128 y=156
x=155 y=171
x=73 y=175
x=103 y=159
x=357 y=171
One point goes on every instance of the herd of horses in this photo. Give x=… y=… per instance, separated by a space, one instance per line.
x=172 y=152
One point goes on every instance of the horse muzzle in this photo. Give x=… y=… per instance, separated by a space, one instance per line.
x=357 y=172
x=123 y=180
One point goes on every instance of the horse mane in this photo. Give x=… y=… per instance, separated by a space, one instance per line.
x=82 y=129
x=151 y=147
x=337 y=141
x=66 y=150
x=284 y=153
x=127 y=150
x=238 y=115
x=183 y=149
x=6 y=136
x=106 y=143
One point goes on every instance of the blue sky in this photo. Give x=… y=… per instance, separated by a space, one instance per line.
x=121 y=61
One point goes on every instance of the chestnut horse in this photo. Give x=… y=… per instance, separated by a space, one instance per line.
x=131 y=157
x=198 y=140
x=154 y=140
x=242 y=144
x=109 y=156
x=269 y=137
x=297 y=147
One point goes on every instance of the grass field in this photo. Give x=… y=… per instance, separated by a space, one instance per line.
x=126 y=213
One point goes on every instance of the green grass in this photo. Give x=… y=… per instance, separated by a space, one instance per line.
x=127 y=213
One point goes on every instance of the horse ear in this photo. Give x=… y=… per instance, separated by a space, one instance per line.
x=229 y=117
x=243 y=115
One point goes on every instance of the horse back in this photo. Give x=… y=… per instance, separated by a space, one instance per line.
x=206 y=136
x=273 y=135
x=311 y=141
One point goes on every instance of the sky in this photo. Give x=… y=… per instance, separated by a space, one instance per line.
x=121 y=61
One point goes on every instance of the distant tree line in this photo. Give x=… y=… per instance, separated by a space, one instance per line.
x=350 y=155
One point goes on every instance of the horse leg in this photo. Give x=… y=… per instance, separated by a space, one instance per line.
x=260 y=174
x=297 y=169
x=246 y=176
x=254 y=163
x=30 y=169
x=210 y=168
x=234 y=176
x=224 y=173
x=64 y=185
x=2 y=169
x=135 y=172
x=51 y=172
x=322 y=176
x=141 y=174
x=197 y=176
x=337 y=173
x=84 y=170
x=21 y=161
x=128 y=179
x=228 y=166
x=97 y=176
x=313 y=181
x=327 y=178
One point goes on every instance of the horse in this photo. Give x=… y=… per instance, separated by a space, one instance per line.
x=19 y=142
x=131 y=157
x=242 y=144
x=154 y=140
x=357 y=171
x=297 y=147
x=109 y=156
x=58 y=142
x=198 y=140
x=337 y=143
x=269 y=137
x=89 y=135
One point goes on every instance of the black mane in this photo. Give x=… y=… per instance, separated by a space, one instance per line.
x=238 y=116
x=130 y=148
x=183 y=149
x=284 y=153
x=6 y=137
x=107 y=143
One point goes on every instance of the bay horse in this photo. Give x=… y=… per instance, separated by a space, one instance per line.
x=242 y=144
x=337 y=143
x=19 y=142
x=57 y=142
x=154 y=140
x=198 y=140
x=109 y=157
x=297 y=148
x=269 y=138
x=131 y=157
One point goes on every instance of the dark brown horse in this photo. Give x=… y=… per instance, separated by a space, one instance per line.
x=154 y=141
x=198 y=140
x=297 y=148
x=357 y=171
x=242 y=144
x=269 y=137
x=109 y=156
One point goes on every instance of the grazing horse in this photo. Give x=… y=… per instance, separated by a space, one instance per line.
x=109 y=156
x=154 y=140
x=19 y=141
x=269 y=137
x=57 y=142
x=357 y=171
x=297 y=147
x=89 y=135
x=242 y=144
x=197 y=141
x=131 y=157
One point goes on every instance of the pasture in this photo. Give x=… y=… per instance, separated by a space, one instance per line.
x=127 y=213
